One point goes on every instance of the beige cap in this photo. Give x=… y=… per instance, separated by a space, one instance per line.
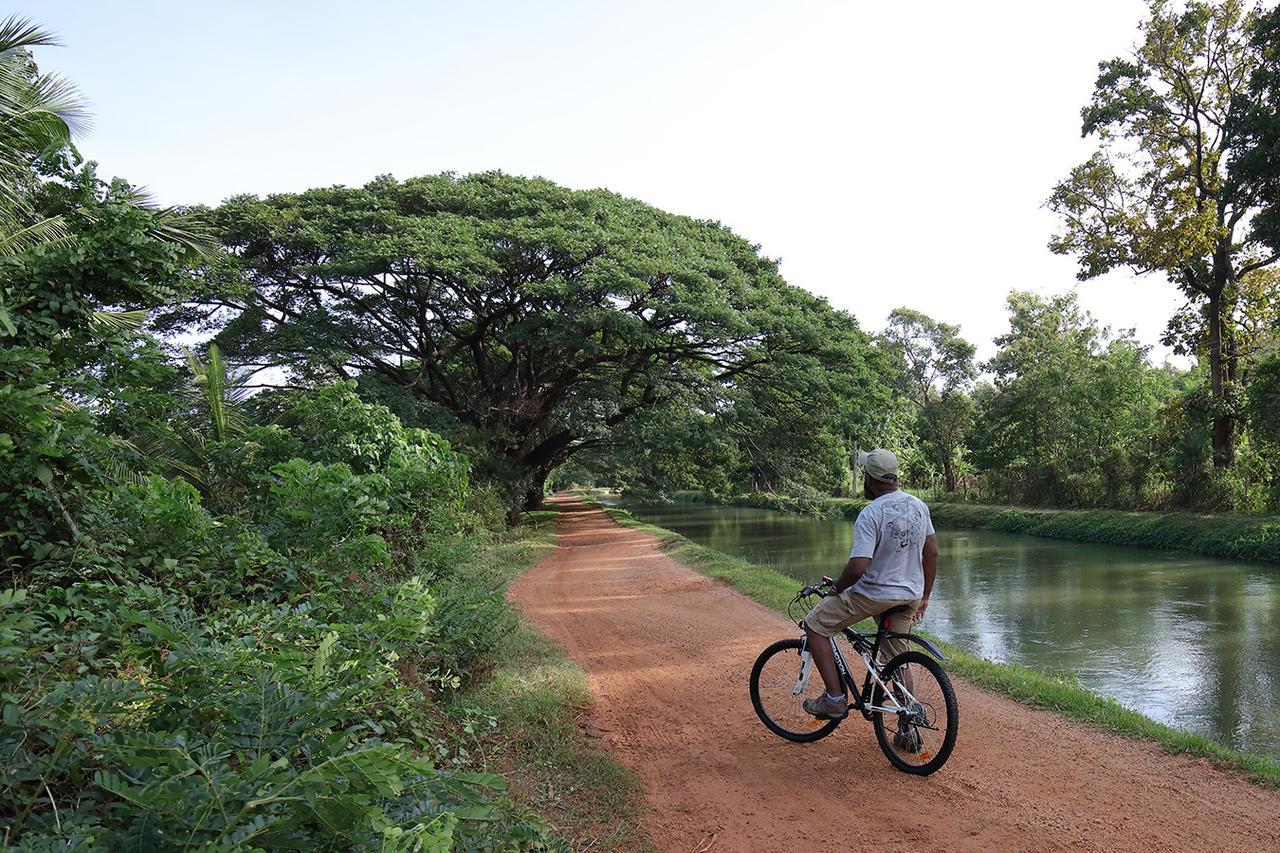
x=880 y=464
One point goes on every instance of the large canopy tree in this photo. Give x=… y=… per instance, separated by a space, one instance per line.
x=1160 y=194
x=539 y=317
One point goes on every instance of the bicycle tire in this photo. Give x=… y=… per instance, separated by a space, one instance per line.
x=948 y=692
x=824 y=728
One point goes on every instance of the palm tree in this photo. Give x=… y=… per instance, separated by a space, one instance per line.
x=39 y=113
x=214 y=413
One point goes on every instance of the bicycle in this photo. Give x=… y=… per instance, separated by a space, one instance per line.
x=909 y=700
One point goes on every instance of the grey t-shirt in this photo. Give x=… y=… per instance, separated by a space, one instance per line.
x=891 y=531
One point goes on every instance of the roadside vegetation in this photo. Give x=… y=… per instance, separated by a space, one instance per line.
x=523 y=719
x=775 y=590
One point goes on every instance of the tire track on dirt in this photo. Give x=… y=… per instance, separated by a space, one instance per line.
x=667 y=652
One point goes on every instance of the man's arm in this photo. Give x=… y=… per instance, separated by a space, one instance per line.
x=853 y=570
x=930 y=563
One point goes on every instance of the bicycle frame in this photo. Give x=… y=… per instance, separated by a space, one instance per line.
x=868 y=653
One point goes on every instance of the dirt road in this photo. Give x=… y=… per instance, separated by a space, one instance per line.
x=668 y=652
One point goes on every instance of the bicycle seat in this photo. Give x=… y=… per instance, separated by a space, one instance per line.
x=901 y=608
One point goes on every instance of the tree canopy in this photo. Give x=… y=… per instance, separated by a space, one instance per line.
x=1071 y=414
x=538 y=318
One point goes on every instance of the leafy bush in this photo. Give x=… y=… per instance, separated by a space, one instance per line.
x=271 y=725
x=262 y=678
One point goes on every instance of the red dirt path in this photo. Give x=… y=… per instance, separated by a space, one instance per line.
x=668 y=652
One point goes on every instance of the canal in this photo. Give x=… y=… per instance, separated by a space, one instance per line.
x=1190 y=641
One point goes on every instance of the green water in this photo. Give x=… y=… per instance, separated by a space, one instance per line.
x=1193 y=642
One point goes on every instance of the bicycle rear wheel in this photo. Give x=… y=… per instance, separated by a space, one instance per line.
x=780 y=681
x=920 y=739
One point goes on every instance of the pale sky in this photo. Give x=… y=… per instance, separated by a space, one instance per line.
x=890 y=154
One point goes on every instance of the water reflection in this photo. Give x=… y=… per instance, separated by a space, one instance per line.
x=1189 y=641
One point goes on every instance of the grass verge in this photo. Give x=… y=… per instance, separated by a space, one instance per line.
x=523 y=720
x=1028 y=686
x=1234 y=537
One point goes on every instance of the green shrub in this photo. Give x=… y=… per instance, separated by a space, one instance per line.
x=473 y=619
x=267 y=726
x=262 y=677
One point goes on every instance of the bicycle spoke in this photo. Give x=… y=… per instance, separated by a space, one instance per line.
x=917 y=736
x=783 y=685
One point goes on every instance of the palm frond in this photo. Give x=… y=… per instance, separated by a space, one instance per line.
x=56 y=99
x=47 y=231
x=20 y=33
x=38 y=114
x=121 y=458
x=218 y=395
x=38 y=111
x=119 y=321
x=173 y=225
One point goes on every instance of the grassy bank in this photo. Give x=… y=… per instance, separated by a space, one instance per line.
x=1025 y=685
x=1235 y=537
x=522 y=719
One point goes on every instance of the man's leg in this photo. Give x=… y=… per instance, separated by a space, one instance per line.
x=900 y=623
x=907 y=737
x=820 y=647
x=828 y=618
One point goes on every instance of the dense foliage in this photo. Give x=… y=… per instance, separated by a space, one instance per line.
x=176 y=677
x=937 y=368
x=1069 y=417
x=240 y=659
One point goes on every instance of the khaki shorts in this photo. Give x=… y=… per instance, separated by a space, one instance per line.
x=834 y=613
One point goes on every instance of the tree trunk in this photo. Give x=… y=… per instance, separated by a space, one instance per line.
x=1224 y=450
x=533 y=497
x=949 y=472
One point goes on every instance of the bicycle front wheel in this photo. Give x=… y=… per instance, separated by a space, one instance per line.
x=780 y=681
x=920 y=737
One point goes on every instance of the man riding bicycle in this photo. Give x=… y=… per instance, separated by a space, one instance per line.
x=892 y=565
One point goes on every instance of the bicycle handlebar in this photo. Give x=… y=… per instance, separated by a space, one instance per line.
x=819 y=588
